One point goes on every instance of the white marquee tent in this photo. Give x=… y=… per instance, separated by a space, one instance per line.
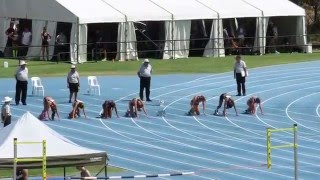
x=178 y=30
x=292 y=20
x=29 y=128
x=125 y=12
x=227 y=9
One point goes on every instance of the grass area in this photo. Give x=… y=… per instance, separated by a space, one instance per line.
x=70 y=171
x=190 y=65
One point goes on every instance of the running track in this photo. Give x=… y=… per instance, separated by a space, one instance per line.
x=213 y=147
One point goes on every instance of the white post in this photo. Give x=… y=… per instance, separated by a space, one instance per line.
x=295 y=143
x=14 y=158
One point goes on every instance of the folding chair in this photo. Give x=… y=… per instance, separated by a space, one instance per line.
x=93 y=84
x=37 y=86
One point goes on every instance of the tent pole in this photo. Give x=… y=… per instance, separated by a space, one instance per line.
x=172 y=38
x=106 y=170
x=64 y=172
x=219 y=36
x=125 y=38
x=78 y=40
x=14 y=158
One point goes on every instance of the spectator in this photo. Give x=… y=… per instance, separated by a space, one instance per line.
x=195 y=105
x=49 y=104
x=99 y=45
x=22 y=83
x=84 y=172
x=241 y=36
x=135 y=105
x=25 y=41
x=75 y=113
x=144 y=74
x=240 y=74
x=252 y=102
x=15 y=43
x=62 y=49
x=73 y=83
x=9 y=32
x=22 y=174
x=45 y=36
x=107 y=108
x=6 y=112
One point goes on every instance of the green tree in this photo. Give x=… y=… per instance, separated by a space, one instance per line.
x=315 y=4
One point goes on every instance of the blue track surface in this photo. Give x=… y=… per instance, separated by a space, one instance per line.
x=213 y=147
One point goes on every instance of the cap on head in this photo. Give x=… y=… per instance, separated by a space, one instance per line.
x=257 y=100
x=73 y=66
x=22 y=62
x=146 y=61
x=7 y=99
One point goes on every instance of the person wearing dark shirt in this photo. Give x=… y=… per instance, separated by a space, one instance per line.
x=45 y=36
x=9 y=32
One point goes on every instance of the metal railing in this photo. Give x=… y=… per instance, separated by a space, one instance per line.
x=155 y=48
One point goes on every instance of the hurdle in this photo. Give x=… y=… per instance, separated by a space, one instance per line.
x=293 y=129
x=43 y=159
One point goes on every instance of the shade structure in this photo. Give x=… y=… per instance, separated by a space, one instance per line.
x=61 y=152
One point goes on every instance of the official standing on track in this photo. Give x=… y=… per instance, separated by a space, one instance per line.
x=144 y=74
x=240 y=74
x=22 y=83
x=73 y=83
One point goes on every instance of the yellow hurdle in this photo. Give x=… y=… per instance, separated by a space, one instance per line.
x=294 y=145
x=43 y=159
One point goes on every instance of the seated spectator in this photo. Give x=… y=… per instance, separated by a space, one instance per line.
x=62 y=46
x=135 y=105
x=22 y=174
x=252 y=102
x=195 y=105
x=75 y=113
x=84 y=173
x=48 y=104
x=107 y=108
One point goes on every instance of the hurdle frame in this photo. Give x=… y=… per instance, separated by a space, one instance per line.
x=43 y=159
x=294 y=129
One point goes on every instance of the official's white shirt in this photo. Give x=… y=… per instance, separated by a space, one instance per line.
x=145 y=71
x=73 y=77
x=239 y=67
x=22 y=74
x=26 y=38
x=5 y=110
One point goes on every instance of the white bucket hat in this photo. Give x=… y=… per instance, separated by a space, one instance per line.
x=73 y=66
x=7 y=99
x=23 y=63
x=146 y=61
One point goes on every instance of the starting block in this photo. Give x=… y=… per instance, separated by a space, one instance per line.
x=161 y=112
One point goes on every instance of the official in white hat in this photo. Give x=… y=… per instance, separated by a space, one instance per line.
x=144 y=74
x=5 y=111
x=73 y=82
x=22 y=83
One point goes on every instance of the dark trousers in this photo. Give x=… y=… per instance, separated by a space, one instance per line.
x=145 y=83
x=21 y=90
x=23 y=50
x=241 y=84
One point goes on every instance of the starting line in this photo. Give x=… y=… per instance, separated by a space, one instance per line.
x=136 y=176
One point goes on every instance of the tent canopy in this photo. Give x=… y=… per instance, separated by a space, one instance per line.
x=60 y=150
x=95 y=11
x=187 y=10
x=232 y=8
x=277 y=7
x=140 y=10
